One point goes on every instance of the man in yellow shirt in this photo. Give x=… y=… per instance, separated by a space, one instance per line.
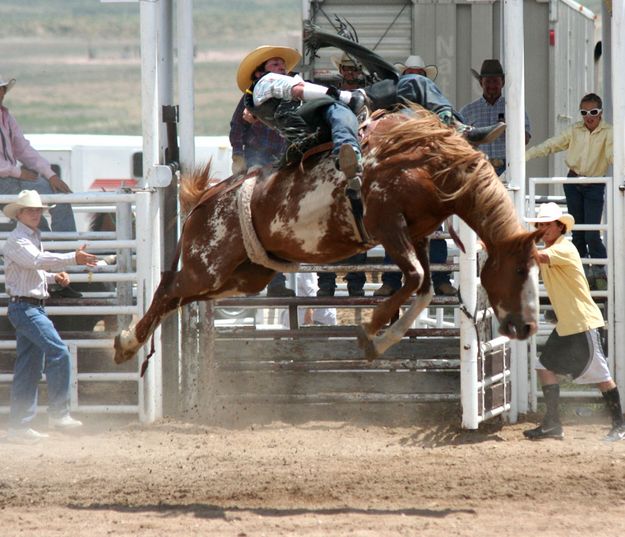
x=588 y=145
x=574 y=347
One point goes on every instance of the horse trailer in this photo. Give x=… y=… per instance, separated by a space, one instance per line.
x=457 y=35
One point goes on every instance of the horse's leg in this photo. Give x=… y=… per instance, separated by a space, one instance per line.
x=177 y=289
x=128 y=342
x=414 y=264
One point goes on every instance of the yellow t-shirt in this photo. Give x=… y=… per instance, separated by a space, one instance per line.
x=568 y=289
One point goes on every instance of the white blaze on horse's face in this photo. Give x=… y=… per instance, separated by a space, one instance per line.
x=529 y=301
x=510 y=278
x=530 y=295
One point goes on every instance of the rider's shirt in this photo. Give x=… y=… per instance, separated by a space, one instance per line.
x=274 y=85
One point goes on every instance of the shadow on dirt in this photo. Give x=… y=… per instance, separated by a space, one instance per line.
x=208 y=511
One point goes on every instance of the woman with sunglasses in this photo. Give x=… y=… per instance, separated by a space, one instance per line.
x=588 y=145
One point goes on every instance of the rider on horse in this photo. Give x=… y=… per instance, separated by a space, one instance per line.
x=300 y=109
x=303 y=111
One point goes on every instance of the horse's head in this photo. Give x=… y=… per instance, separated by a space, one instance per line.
x=509 y=277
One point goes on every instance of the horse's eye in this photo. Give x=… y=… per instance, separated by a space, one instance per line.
x=521 y=270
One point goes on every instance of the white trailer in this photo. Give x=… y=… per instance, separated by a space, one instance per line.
x=106 y=162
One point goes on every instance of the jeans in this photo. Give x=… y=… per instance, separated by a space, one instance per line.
x=343 y=124
x=438 y=254
x=421 y=90
x=278 y=281
x=36 y=339
x=585 y=203
x=62 y=217
x=355 y=280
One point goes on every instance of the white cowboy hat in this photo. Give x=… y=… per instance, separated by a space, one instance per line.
x=550 y=212
x=248 y=65
x=344 y=60
x=26 y=198
x=416 y=62
x=8 y=83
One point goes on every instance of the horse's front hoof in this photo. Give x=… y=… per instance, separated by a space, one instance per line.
x=121 y=355
x=365 y=343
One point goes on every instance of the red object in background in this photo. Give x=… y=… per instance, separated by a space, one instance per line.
x=552 y=37
x=111 y=185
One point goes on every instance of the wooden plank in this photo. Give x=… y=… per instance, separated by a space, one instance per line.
x=317 y=332
x=495 y=361
x=425 y=364
x=332 y=350
x=322 y=302
x=336 y=398
x=289 y=382
x=494 y=396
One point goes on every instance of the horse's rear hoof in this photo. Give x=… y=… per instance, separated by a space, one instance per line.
x=365 y=343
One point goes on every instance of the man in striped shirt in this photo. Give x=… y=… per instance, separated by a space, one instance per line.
x=38 y=345
x=491 y=108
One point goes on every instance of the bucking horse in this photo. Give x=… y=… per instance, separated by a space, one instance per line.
x=416 y=173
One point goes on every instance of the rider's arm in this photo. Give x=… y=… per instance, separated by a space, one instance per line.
x=274 y=85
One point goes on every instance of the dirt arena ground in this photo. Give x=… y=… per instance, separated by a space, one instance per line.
x=316 y=478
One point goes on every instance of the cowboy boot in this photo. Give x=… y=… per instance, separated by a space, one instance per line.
x=357 y=101
x=474 y=135
x=484 y=135
x=349 y=163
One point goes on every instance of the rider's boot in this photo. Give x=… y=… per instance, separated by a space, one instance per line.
x=474 y=135
x=349 y=163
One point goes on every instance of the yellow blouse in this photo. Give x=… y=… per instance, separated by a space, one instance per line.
x=587 y=153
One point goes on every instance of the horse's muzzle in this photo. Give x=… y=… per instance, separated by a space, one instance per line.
x=516 y=327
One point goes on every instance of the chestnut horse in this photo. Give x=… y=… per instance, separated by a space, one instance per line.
x=417 y=172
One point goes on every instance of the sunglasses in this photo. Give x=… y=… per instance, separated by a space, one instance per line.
x=593 y=112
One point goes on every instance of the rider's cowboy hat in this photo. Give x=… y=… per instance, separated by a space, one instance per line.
x=25 y=199
x=247 y=67
x=344 y=60
x=489 y=68
x=7 y=83
x=416 y=62
x=550 y=212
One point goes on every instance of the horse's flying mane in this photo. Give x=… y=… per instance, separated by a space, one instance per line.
x=456 y=168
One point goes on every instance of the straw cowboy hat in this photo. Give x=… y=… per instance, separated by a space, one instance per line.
x=489 y=68
x=416 y=62
x=344 y=60
x=550 y=212
x=8 y=84
x=247 y=67
x=25 y=199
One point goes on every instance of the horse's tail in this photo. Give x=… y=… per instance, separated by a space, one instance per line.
x=193 y=186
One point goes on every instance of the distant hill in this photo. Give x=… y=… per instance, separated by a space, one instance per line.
x=78 y=61
x=218 y=22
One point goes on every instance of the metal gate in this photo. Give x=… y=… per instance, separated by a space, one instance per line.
x=98 y=385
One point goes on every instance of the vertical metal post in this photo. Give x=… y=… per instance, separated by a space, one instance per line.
x=148 y=273
x=169 y=200
x=618 y=113
x=515 y=157
x=468 y=336
x=191 y=318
